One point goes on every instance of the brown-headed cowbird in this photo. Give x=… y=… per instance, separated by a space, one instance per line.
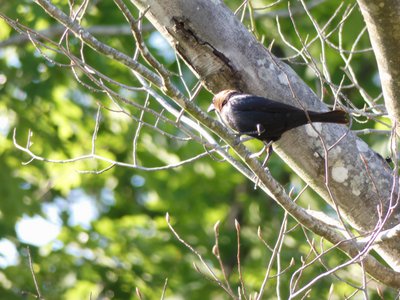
x=266 y=119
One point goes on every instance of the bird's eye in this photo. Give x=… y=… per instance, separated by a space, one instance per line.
x=224 y=102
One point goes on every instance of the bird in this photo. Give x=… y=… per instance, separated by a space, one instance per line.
x=266 y=119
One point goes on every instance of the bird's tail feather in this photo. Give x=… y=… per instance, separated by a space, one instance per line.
x=335 y=116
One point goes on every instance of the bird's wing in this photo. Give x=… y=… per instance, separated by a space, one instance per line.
x=255 y=103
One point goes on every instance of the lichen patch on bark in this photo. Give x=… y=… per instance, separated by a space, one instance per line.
x=340 y=173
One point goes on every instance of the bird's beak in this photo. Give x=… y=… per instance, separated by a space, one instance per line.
x=211 y=107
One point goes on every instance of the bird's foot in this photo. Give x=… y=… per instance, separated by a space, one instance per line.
x=259 y=153
x=245 y=138
x=260 y=130
x=241 y=138
x=270 y=150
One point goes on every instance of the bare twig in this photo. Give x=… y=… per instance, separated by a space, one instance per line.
x=208 y=268
x=239 y=263
x=216 y=252
x=164 y=289
x=39 y=295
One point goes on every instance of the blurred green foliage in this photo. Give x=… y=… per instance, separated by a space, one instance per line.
x=129 y=244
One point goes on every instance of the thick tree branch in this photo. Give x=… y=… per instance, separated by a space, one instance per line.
x=383 y=23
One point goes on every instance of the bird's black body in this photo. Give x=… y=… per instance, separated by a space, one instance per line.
x=266 y=119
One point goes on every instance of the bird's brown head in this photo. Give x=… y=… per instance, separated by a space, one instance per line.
x=221 y=99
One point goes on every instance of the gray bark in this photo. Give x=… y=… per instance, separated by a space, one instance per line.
x=383 y=23
x=223 y=54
